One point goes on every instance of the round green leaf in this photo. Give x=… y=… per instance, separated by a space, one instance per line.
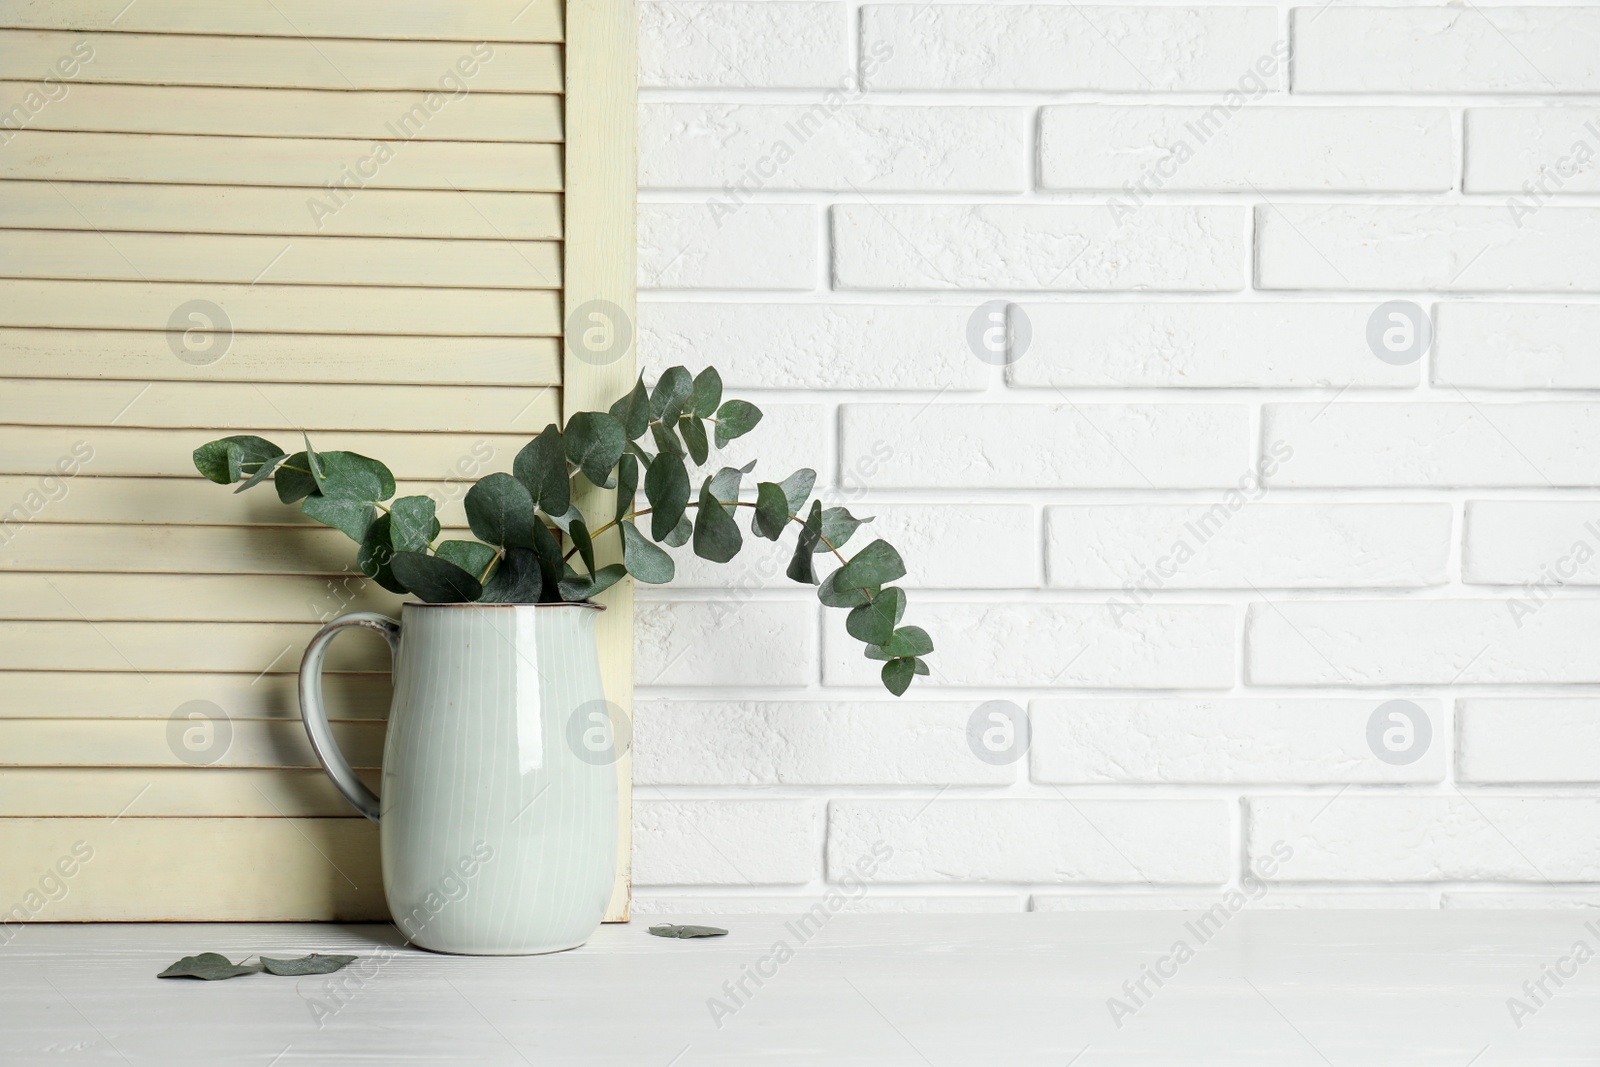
x=412 y=526
x=644 y=560
x=474 y=557
x=666 y=487
x=800 y=565
x=735 y=419
x=293 y=479
x=716 y=535
x=633 y=410
x=694 y=436
x=541 y=467
x=377 y=550
x=837 y=526
x=595 y=442
x=671 y=393
x=435 y=580
x=500 y=511
x=874 y=622
x=771 y=511
x=876 y=564
x=707 y=393
x=228 y=459
x=897 y=674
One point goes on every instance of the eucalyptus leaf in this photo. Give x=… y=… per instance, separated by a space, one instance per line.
x=312 y=964
x=293 y=480
x=412 y=524
x=876 y=564
x=223 y=461
x=834 y=597
x=907 y=641
x=627 y=485
x=920 y=665
x=694 y=436
x=707 y=393
x=541 y=467
x=377 y=550
x=735 y=419
x=518 y=580
x=897 y=675
x=797 y=488
x=435 y=580
x=349 y=514
x=667 y=443
x=500 y=511
x=474 y=557
x=595 y=442
x=350 y=474
x=263 y=472
x=633 y=410
x=666 y=487
x=313 y=460
x=209 y=967
x=576 y=587
x=551 y=565
x=680 y=533
x=643 y=559
x=716 y=535
x=874 y=622
x=800 y=566
x=837 y=526
x=772 y=511
x=687 y=932
x=671 y=393
x=727 y=482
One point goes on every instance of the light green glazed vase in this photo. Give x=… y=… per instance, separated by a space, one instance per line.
x=498 y=819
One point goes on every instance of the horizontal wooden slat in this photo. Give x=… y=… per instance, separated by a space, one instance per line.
x=209 y=258
x=175 y=646
x=160 y=577
x=252 y=209
x=481 y=20
x=148 y=355
x=188 y=501
x=353 y=166
x=227 y=405
x=283 y=308
x=167 y=793
x=380 y=116
x=213 y=742
x=125 y=694
x=37 y=450
x=288 y=62
x=212 y=870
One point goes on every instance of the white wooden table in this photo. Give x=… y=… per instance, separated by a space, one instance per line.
x=1274 y=987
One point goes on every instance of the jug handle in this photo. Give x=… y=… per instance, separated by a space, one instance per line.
x=315 y=716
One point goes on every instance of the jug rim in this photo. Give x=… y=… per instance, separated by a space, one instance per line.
x=564 y=604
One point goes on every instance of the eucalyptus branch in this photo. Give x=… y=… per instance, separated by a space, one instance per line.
x=515 y=556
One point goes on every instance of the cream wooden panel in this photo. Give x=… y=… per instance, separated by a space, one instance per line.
x=104 y=791
x=176 y=257
x=182 y=502
x=287 y=212
x=200 y=869
x=387 y=116
x=148 y=743
x=193 y=164
x=282 y=308
x=481 y=20
x=40 y=155
x=280 y=62
x=257 y=594
x=167 y=453
x=127 y=694
x=218 y=405
x=250 y=647
x=145 y=356
x=602 y=168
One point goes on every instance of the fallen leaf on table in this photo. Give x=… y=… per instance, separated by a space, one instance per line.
x=669 y=930
x=312 y=964
x=209 y=966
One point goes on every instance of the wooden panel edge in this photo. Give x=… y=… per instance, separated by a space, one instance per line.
x=600 y=252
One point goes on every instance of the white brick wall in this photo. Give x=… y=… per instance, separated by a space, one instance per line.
x=1261 y=586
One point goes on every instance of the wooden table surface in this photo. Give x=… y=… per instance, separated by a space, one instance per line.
x=1272 y=987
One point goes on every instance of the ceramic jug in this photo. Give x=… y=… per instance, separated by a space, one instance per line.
x=497 y=816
